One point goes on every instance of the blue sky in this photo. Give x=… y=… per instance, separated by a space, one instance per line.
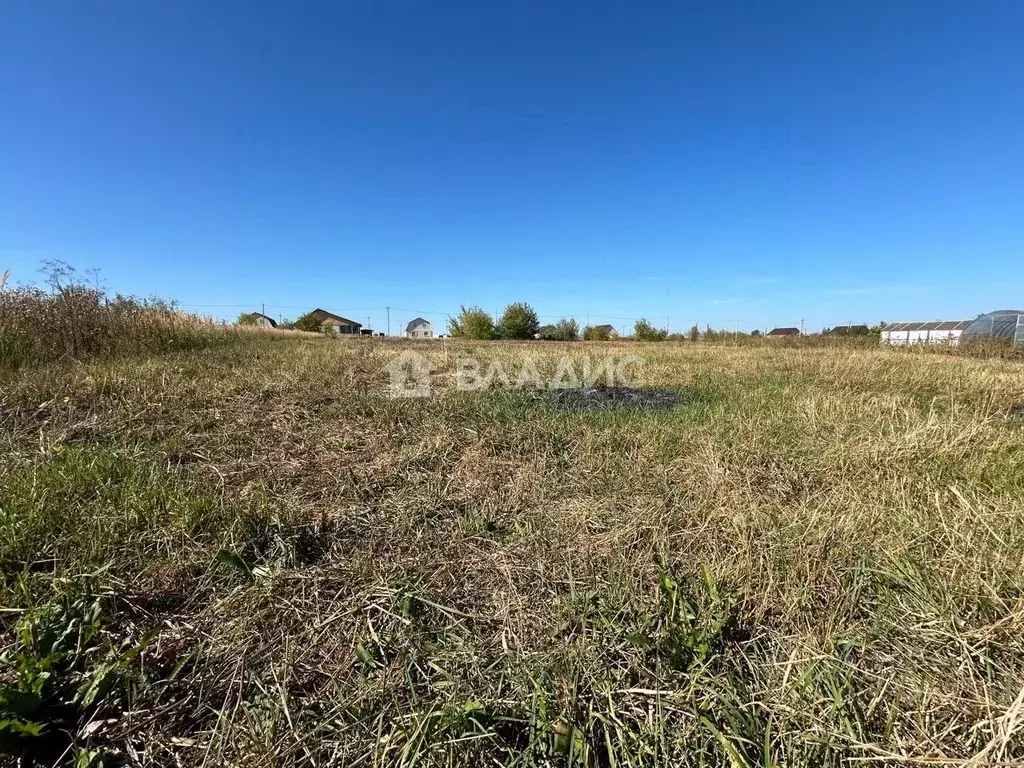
x=719 y=161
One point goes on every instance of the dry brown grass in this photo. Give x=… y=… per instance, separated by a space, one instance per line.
x=815 y=557
x=72 y=321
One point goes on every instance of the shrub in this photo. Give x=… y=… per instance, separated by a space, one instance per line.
x=519 y=321
x=645 y=331
x=710 y=334
x=309 y=322
x=472 y=323
x=596 y=333
x=246 y=318
x=565 y=329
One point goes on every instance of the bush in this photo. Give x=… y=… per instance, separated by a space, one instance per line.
x=565 y=329
x=309 y=322
x=710 y=334
x=596 y=333
x=246 y=318
x=519 y=321
x=472 y=323
x=645 y=331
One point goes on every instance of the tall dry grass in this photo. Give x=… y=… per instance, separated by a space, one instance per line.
x=70 y=320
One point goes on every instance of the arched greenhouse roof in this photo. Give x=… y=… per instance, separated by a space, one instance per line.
x=1002 y=324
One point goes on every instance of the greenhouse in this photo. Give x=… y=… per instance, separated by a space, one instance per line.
x=1006 y=324
x=938 y=332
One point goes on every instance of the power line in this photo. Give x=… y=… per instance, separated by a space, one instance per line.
x=422 y=311
x=612 y=317
x=217 y=306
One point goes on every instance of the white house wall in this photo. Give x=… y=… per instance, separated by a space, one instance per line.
x=897 y=338
x=421 y=331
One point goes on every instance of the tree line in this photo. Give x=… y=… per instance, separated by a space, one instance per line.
x=520 y=321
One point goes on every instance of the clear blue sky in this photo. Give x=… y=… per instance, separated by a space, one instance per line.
x=711 y=161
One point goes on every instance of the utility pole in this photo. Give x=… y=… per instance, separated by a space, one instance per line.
x=668 y=321
x=389 y=319
x=263 y=309
x=801 y=326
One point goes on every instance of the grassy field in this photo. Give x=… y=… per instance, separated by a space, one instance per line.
x=251 y=555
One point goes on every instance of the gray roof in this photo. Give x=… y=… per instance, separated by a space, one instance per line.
x=840 y=330
x=937 y=325
x=411 y=325
x=784 y=332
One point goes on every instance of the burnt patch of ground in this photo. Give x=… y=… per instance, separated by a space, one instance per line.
x=603 y=398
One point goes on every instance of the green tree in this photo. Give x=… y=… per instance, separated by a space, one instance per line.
x=308 y=322
x=472 y=323
x=565 y=329
x=518 y=321
x=694 y=333
x=246 y=318
x=645 y=331
x=596 y=333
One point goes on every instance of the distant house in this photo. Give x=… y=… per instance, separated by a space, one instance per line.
x=256 y=318
x=938 y=332
x=419 y=329
x=341 y=325
x=850 y=330
x=784 y=333
x=612 y=333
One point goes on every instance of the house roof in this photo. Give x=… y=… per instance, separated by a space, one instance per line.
x=850 y=329
x=411 y=325
x=943 y=325
x=606 y=327
x=784 y=332
x=258 y=315
x=323 y=314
